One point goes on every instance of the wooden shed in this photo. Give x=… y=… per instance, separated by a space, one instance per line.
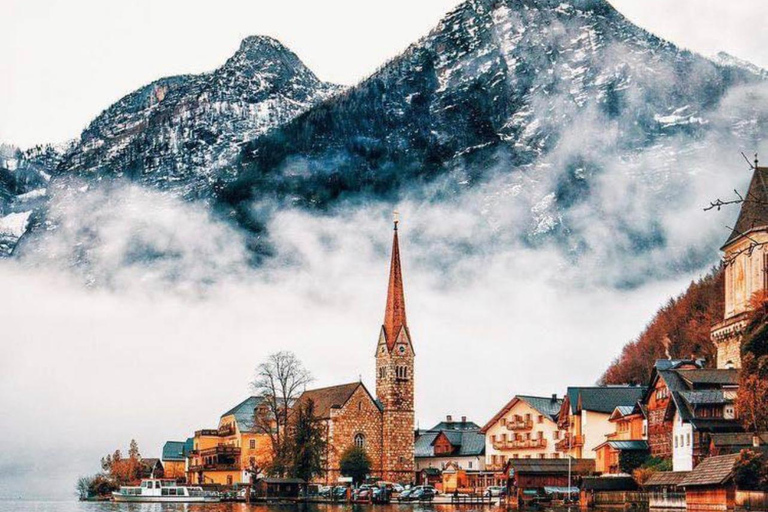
x=710 y=485
x=278 y=487
x=528 y=478
x=664 y=491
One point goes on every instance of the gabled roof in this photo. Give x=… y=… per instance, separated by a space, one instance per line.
x=603 y=399
x=333 y=397
x=630 y=445
x=174 y=450
x=753 y=214
x=456 y=425
x=547 y=406
x=707 y=377
x=245 y=413
x=608 y=483
x=552 y=466
x=466 y=443
x=711 y=471
x=740 y=439
x=705 y=397
x=666 y=478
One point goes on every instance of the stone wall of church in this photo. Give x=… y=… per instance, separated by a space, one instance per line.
x=398 y=459
x=360 y=415
x=729 y=351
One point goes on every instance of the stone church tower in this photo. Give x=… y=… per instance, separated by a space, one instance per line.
x=395 y=380
x=745 y=262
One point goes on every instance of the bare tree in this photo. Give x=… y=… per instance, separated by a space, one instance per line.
x=280 y=380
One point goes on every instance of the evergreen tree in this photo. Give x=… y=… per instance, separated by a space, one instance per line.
x=355 y=463
x=133 y=450
x=308 y=443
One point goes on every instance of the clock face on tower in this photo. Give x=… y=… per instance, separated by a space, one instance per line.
x=402 y=349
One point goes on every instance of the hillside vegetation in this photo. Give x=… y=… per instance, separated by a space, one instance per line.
x=686 y=320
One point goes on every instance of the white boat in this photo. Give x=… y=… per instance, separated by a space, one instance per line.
x=162 y=490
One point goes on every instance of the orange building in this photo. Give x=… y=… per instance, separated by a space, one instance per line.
x=174 y=458
x=226 y=455
x=627 y=439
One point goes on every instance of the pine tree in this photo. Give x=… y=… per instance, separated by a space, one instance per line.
x=355 y=463
x=308 y=443
x=133 y=450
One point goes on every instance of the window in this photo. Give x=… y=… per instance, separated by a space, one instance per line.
x=503 y=422
x=252 y=444
x=688 y=439
x=556 y=434
x=542 y=455
x=555 y=455
x=540 y=434
x=360 y=440
x=401 y=372
x=540 y=419
x=470 y=464
x=675 y=441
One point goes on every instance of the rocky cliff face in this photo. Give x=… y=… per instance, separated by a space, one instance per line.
x=180 y=133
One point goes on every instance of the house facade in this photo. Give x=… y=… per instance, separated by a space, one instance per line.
x=174 y=458
x=228 y=454
x=584 y=417
x=525 y=428
x=745 y=261
x=383 y=424
x=458 y=444
x=627 y=440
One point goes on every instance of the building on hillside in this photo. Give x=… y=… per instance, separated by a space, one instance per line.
x=584 y=417
x=151 y=468
x=745 y=261
x=451 y=442
x=174 y=458
x=525 y=428
x=724 y=443
x=685 y=405
x=384 y=425
x=627 y=440
x=230 y=454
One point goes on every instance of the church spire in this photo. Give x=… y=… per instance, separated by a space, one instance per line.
x=394 y=315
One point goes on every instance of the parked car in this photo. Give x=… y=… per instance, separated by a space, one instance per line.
x=495 y=491
x=339 y=492
x=423 y=494
x=325 y=491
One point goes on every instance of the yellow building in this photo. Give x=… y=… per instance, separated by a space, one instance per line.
x=226 y=455
x=584 y=418
x=174 y=459
x=629 y=437
x=525 y=428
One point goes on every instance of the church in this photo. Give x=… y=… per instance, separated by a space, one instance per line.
x=381 y=423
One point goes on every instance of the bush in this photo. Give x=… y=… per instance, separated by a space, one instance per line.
x=650 y=466
x=750 y=471
x=355 y=463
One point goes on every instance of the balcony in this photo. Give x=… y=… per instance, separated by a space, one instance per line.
x=221 y=449
x=569 y=442
x=519 y=424
x=520 y=444
x=214 y=467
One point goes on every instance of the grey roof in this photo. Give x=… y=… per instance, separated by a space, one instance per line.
x=174 y=450
x=625 y=410
x=753 y=214
x=631 y=445
x=666 y=478
x=544 y=405
x=740 y=439
x=552 y=466
x=245 y=412
x=456 y=425
x=603 y=398
x=709 y=377
x=711 y=471
x=467 y=443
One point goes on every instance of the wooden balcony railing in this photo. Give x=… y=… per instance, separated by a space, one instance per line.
x=221 y=450
x=519 y=424
x=520 y=444
x=568 y=442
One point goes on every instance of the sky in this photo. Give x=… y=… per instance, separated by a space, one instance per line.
x=84 y=370
x=63 y=62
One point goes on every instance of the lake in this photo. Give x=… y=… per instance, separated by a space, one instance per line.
x=78 y=506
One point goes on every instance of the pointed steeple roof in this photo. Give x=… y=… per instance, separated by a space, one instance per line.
x=754 y=209
x=394 y=315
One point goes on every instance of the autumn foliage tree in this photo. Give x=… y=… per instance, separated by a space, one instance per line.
x=123 y=470
x=686 y=320
x=752 y=397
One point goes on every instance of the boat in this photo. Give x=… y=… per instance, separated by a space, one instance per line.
x=164 y=491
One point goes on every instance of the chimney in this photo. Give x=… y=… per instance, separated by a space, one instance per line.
x=449 y=418
x=554 y=397
x=463 y=419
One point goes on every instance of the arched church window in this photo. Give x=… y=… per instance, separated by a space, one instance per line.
x=359 y=441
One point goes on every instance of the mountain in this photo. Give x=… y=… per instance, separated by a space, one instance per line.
x=560 y=123
x=181 y=132
x=24 y=178
x=552 y=92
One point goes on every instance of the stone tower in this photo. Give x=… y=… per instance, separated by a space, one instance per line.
x=395 y=380
x=745 y=260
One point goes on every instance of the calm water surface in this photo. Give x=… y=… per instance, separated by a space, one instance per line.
x=78 y=506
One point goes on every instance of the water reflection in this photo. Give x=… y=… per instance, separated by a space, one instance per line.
x=75 y=506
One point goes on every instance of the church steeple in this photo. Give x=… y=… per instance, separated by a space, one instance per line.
x=394 y=314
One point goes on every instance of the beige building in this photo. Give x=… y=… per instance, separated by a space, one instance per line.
x=745 y=261
x=525 y=428
x=584 y=417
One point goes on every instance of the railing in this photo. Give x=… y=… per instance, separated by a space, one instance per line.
x=214 y=467
x=226 y=431
x=221 y=450
x=519 y=424
x=569 y=442
x=520 y=444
